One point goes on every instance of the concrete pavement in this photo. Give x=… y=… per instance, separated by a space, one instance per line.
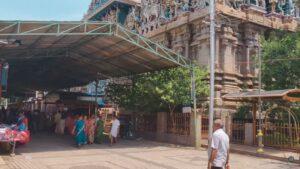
x=58 y=152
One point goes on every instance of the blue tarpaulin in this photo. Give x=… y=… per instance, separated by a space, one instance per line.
x=4 y=76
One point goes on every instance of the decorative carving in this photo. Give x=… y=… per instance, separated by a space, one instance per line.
x=150 y=15
x=290 y=8
x=234 y=3
x=110 y=16
x=262 y=3
x=154 y=13
x=280 y=6
x=273 y=5
x=199 y=4
x=133 y=20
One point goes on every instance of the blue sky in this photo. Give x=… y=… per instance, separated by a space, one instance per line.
x=61 y=10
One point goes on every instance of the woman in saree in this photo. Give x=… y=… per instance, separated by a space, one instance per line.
x=22 y=123
x=22 y=127
x=62 y=124
x=99 y=136
x=79 y=132
x=90 y=128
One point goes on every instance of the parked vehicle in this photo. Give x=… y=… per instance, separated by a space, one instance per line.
x=10 y=136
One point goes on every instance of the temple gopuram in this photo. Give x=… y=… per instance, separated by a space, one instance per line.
x=183 y=25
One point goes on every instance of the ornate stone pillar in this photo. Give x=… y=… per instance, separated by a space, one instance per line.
x=247 y=58
x=249 y=44
x=186 y=42
x=228 y=41
x=218 y=61
x=202 y=39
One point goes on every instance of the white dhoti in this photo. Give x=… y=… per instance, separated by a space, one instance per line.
x=61 y=126
x=115 y=128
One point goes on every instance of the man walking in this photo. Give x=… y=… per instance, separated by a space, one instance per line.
x=114 y=129
x=219 y=157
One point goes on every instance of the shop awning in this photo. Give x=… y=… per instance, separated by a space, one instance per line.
x=52 y=55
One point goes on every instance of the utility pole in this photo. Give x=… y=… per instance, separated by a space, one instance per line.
x=212 y=69
x=96 y=92
x=197 y=119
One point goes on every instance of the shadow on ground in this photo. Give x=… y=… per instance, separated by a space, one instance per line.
x=44 y=142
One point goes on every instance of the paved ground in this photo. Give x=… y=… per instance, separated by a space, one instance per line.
x=49 y=152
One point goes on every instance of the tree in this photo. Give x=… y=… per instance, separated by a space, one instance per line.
x=159 y=90
x=281 y=61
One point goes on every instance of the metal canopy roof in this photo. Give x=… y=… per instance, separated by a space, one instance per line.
x=292 y=95
x=52 y=55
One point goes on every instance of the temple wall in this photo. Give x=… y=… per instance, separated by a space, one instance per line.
x=185 y=29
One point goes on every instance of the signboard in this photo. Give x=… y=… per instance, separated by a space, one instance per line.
x=186 y=110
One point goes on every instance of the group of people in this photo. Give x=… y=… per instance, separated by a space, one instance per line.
x=86 y=129
x=18 y=118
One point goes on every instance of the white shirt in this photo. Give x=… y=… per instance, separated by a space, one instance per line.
x=220 y=142
x=115 y=127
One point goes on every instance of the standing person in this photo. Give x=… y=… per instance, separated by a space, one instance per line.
x=69 y=123
x=26 y=120
x=62 y=124
x=7 y=119
x=28 y=114
x=79 y=132
x=35 y=120
x=3 y=115
x=22 y=126
x=90 y=128
x=49 y=122
x=85 y=119
x=219 y=157
x=99 y=136
x=22 y=122
x=57 y=118
x=115 y=127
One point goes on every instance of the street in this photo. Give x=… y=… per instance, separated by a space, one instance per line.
x=57 y=152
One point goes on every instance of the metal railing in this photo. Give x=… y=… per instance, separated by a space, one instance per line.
x=281 y=135
x=54 y=28
x=146 y=123
x=178 y=123
x=237 y=131
x=204 y=126
x=276 y=134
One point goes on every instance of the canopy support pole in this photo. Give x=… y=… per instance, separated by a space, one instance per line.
x=96 y=91
x=254 y=110
x=197 y=116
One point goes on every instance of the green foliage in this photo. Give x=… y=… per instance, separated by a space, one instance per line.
x=277 y=138
x=158 y=91
x=281 y=61
x=244 y=112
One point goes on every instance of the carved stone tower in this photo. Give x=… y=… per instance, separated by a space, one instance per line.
x=182 y=25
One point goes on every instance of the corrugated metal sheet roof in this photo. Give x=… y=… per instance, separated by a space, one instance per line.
x=263 y=94
x=53 y=55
